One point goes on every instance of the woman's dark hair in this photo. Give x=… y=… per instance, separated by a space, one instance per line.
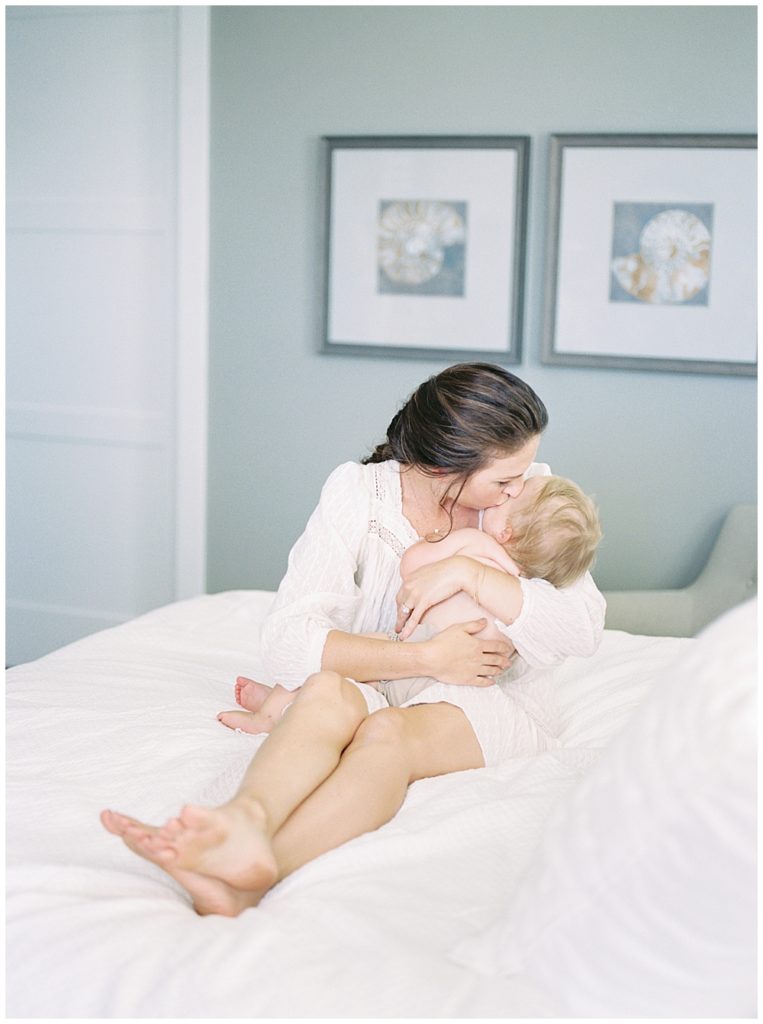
x=460 y=419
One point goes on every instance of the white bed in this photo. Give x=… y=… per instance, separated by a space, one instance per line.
x=389 y=925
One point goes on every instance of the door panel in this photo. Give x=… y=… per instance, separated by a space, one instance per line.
x=91 y=360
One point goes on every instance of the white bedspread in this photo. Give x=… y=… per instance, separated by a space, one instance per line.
x=126 y=719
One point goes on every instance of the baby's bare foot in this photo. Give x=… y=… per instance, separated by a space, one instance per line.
x=254 y=722
x=209 y=895
x=250 y=694
x=267 y=704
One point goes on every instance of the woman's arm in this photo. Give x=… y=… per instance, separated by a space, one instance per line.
x=557 y=622
x=546 y=624
x=310 y=624
x=456 y=655
x=318 y=593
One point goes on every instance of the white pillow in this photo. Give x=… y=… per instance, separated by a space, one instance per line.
x=641 y=900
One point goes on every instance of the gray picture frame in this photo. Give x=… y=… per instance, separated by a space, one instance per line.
x=569 y=154
x=414 y=324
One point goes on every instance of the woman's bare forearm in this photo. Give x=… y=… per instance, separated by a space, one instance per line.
x=456 y=655
x=366 y=658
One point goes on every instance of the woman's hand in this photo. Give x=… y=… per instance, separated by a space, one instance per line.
x=456 y=655
x=431 y=584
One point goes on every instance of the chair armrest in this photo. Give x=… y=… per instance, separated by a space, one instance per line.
x=728 y=578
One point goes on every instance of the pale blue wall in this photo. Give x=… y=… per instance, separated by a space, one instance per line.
x=665 y=454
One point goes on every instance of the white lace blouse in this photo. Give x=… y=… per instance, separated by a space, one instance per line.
x=344 y=573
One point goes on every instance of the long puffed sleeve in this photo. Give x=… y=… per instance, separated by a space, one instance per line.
x=319 y=591
x=557 y=622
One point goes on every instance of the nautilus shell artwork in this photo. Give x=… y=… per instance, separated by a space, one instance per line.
x=673 y=261
x=414 y=239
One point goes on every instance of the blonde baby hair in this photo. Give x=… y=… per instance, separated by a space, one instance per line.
x=555 y=537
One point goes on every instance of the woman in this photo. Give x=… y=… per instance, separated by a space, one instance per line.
x=331 y=769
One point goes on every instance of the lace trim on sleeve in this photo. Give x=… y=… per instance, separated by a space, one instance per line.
x=386 y=536
x=383 y=509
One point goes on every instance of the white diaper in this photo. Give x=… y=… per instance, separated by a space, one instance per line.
x=375 y=700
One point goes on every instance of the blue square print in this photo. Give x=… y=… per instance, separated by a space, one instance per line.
x=421 y=247
x=661 y=253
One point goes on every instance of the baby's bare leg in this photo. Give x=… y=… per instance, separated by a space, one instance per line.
x=269 y=704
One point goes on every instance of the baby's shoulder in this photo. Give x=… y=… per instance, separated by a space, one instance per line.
x=483 y=548
x=470 y=536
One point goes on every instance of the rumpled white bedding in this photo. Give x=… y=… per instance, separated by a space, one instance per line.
x=126 y=719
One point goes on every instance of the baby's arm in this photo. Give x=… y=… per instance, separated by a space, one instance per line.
x=468 y=563
x=460 y=607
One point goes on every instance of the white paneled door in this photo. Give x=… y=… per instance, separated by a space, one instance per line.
x=105 y=161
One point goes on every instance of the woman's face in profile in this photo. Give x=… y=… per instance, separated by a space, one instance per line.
x=500 y=479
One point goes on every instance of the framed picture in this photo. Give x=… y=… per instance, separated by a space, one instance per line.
x=652 y=253
x=425 y=241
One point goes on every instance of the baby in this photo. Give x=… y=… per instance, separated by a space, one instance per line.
x=549 y=531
